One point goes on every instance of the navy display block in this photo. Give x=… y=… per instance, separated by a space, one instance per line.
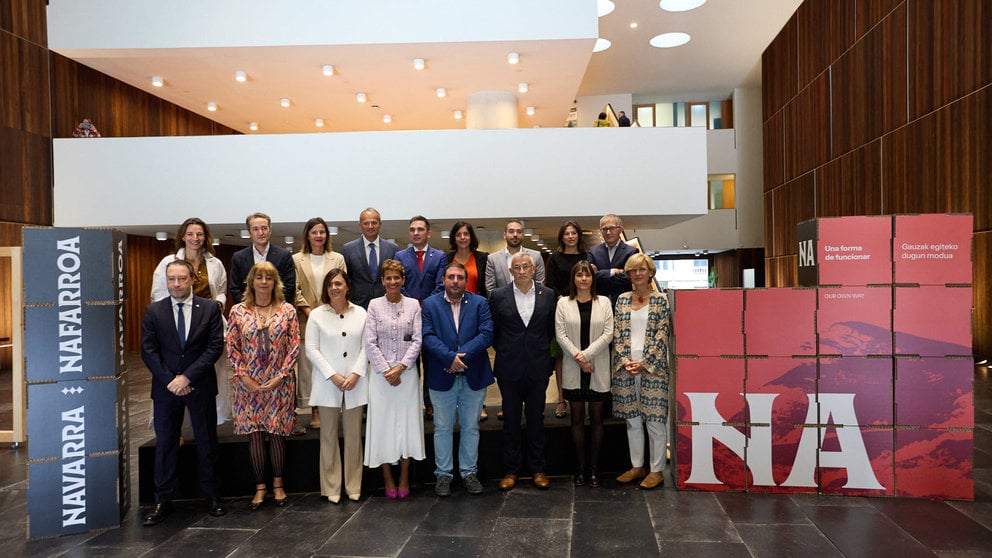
x=73 y=495
x=74 y=290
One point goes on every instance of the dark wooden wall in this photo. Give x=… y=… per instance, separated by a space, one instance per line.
x=878 y=107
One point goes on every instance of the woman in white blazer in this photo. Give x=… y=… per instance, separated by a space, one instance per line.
x=335 y=347
x=195 y=244
x=584 y=329
x=312 y=262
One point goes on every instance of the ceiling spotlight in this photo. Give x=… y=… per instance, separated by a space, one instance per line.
x=528 y=232
x=244 y=233
x=216 y=242
x=332 y=230
x=633 y=25
x=240 y=76
x=387 y=118
x=361 y=98
x=212 y=106
x=680 y=5
x=604 y=7
x=327 y=69
x=523 y=87
x=441 y=93
x=536 y=238
x=512 y=58
x=289 y=239
x=601 y=45
x=458 y=115
x=157 y=81
x=669 y=40
x=284 y=102
x=319 y=122
x=530 y=111
x=418 y=64
x=253 y=126
x=161 y=236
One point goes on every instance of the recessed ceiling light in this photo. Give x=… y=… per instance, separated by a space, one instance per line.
x=284 y=102
x=212 y=106
x=160 y=235
x=601 y=45
x=387 y=118
x=157 y=81
x=319 y=122
x=240 y=76
x=441 y=93
x=604 y=7
x=253 y=126
x=669 y=40
x=680 y=5
x=327 y=70
x=419 y=64
x=361 y=98
x=513 y=58
x=523 y=88
x=458 y=115
x=530 y=111
x=633 y=25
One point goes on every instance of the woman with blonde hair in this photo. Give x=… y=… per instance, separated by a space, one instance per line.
x=263 y=341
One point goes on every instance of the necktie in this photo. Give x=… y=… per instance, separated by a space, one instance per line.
x=373 y=261
x=181 y=325
x=420 y=260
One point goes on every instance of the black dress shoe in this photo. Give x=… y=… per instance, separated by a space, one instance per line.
x=215 y=507
x=158 y=514
x=594 y=479
x=580 y=479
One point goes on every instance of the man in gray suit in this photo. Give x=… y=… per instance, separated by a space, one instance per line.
x=498 y=265
x=364 y=257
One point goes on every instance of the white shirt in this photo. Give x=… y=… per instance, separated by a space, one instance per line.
x=317 y=267
x=378 y=252
x=187 y=311
x=525 y=302
x=456 y=308
x=259 y=257
x=638 y=330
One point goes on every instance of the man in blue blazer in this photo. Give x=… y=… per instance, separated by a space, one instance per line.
x=523 y=327
x=261 y=250
x=364 y=257
x=457 y=331
x=182 y=336
x=609 y=258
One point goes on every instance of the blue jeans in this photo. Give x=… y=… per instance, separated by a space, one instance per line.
x=468 y=402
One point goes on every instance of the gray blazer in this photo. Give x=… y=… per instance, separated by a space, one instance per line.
x=498 y=269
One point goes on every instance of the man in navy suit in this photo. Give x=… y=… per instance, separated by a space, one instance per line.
x=364 y=257
x=609 y=258
x=261 y=250
x=457 y=332
x=182 y=336
x=424 y=268
x=523 y=326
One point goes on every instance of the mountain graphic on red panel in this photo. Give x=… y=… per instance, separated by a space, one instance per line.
x=856 y=339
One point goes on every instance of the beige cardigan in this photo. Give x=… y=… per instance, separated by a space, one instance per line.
x=568 y=330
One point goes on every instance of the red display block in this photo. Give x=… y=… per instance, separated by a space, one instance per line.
x=932 y=321
x=848 y=251
x=855 y=391
x=709 y=322
x=854 y=321
x=710 y=390
x=934 y=463
x=711 y=457
x=789 y=383
x=935 y=392
x=933 y=249
x=857 y=461
x=780 y=322
x=793 y=449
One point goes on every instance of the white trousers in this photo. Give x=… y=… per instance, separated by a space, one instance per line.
x=657 y=436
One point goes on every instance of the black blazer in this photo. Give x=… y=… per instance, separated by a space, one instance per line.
x=243 y=260
x=523 y=351
x=363 y=286
x=160 y=346
x=480 y=266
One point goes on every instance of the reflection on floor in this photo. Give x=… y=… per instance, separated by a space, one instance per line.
x=564 y=521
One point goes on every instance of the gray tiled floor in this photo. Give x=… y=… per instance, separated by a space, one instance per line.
x=564 y=521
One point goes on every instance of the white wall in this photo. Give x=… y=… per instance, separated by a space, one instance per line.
x=721 y=152
x=590 y=107
x=447 y=174
x=749 y=187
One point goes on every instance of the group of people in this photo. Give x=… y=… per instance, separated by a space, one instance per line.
x=348 y=334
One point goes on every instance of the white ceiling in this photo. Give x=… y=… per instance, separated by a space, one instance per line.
x=728 y=37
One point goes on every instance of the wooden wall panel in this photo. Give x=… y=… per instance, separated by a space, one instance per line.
x=25 y=177
x=869 y=12
x=773 y=139
x=868 y=86
x=779 y=70
x=949 y=54
x=793 y=203
x=10 y=234
x=24 y=96
x=807 y=128
x=825 y=29
x=116 y=108
x=964 y=156
x=851 y=184
x=909 y=168
x=982 y=317
x=781 y=271
x=26 y=19
x=143 y=254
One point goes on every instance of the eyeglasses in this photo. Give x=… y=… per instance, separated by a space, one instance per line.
x=521 y=267
x=609 y=229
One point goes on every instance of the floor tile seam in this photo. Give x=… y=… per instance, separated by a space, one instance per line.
x=204 y=528
x=654 y=523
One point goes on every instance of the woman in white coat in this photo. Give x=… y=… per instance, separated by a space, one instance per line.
x=584 y=329
x=195 y=244
x=336 y=351
x=312 y=262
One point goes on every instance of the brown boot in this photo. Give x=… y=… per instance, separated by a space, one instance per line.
x=631 y=475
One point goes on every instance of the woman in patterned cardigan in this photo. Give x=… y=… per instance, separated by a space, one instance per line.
x=640 y=370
